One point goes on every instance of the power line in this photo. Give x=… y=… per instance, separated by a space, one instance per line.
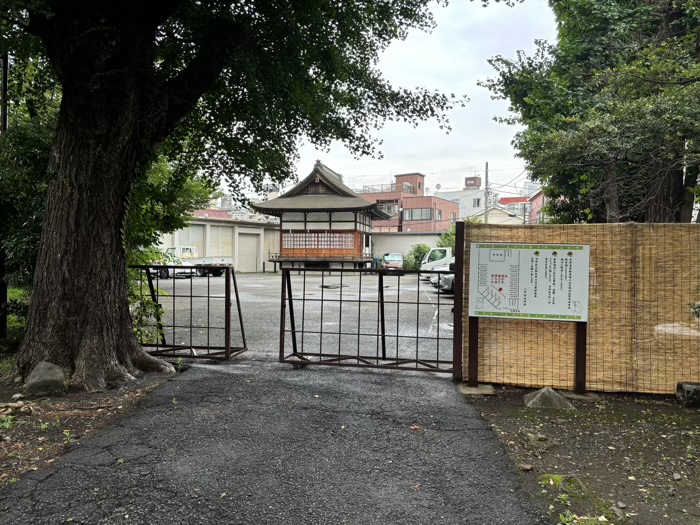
x=509 y=183
x=361 y=175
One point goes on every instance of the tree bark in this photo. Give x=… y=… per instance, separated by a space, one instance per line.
x=690 y=182
x=611 y=195
x=667 y=200
x=79 y=315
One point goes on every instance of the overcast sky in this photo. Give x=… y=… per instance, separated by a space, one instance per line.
x=452 y=59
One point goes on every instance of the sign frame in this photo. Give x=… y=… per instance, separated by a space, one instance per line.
x=545 y=282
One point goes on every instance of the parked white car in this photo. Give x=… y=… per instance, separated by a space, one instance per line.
x=447 y=283
x=435 y=277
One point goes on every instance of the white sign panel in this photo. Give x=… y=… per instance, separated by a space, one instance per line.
x=529 y=281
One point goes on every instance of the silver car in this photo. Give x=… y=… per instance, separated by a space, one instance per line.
x=435 y=277
x=447 y=283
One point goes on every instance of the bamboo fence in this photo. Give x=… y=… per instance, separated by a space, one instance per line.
x=642 y=336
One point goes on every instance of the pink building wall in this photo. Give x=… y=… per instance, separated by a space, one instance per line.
x=536 y=203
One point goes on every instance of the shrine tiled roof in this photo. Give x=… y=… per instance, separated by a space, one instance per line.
x=322 y=190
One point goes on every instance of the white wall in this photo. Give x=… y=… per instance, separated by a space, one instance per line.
x=388 y=242
x=207 y=236
x=465 y=198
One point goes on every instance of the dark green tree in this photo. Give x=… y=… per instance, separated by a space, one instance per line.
x=233 y=85
x=610 y=111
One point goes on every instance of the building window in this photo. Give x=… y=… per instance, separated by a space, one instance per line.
x=418 y=214
x=438 y=214
x=477 y=203
x=453 y=216
x=320 y=240
x=391 y=209
x=436 y=255
x=419 y=185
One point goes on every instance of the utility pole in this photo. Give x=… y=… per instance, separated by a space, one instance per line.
x=486 y=195
x=3 y=128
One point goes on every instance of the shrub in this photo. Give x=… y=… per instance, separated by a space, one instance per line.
x=415 y=256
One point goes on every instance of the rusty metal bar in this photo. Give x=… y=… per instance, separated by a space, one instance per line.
x=303 y=309
x=283 y=316
x=340 y=317
x=580 y=358
x=174 y=295
x=238 y=304
x=382 y=318
x=154 y=298
x=323 y=288
x=208 y=276
x=227 y=311
x=291 y=315
x=458 y=307
x=426 y=359
x=191 y=318
x=193 y=346
x=359 y=312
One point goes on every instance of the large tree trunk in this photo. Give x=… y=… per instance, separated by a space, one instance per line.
x=668 y=199
x=690 y=182
x=79 y=315
x=611 y=194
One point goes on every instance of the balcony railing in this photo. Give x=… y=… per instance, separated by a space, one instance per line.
x=387 y=188
x=318 y=255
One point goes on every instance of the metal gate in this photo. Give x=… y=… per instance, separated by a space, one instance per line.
x=369 y=318
x=186 y=315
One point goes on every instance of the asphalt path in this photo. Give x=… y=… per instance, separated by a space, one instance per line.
x=253 y=441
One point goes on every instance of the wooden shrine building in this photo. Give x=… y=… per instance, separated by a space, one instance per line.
x=323 y=223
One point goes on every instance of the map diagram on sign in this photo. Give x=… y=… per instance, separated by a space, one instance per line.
x=529 y=281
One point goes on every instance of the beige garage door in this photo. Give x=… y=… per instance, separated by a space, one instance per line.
x=247 y=252
x=221 y=241
x=192 y=235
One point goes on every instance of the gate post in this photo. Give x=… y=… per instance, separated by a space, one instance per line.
x=227 y=312
x=283 y=316
x=458 y=309
x=580 y=358
x=382 y=319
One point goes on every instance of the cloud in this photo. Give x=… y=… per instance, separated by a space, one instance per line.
x=452 y=59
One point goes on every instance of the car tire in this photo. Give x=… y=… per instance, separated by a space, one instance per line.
x=201 y=272
x=217 y=273
x=163 y=273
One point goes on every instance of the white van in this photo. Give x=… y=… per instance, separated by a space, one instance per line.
x=435 y=257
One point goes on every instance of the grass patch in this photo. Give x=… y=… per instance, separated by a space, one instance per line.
x=6 y=364
x=17 y=294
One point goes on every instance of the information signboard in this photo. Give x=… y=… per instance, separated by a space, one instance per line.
x=529 y=281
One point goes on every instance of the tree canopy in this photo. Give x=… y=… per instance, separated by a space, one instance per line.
x=610 y=111
x=235 y=85
x=225 y=87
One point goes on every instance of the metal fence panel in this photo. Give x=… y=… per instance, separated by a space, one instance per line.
x=365 y=318
x=186 y=315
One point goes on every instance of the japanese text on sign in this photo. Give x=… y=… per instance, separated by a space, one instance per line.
x=529 y=281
